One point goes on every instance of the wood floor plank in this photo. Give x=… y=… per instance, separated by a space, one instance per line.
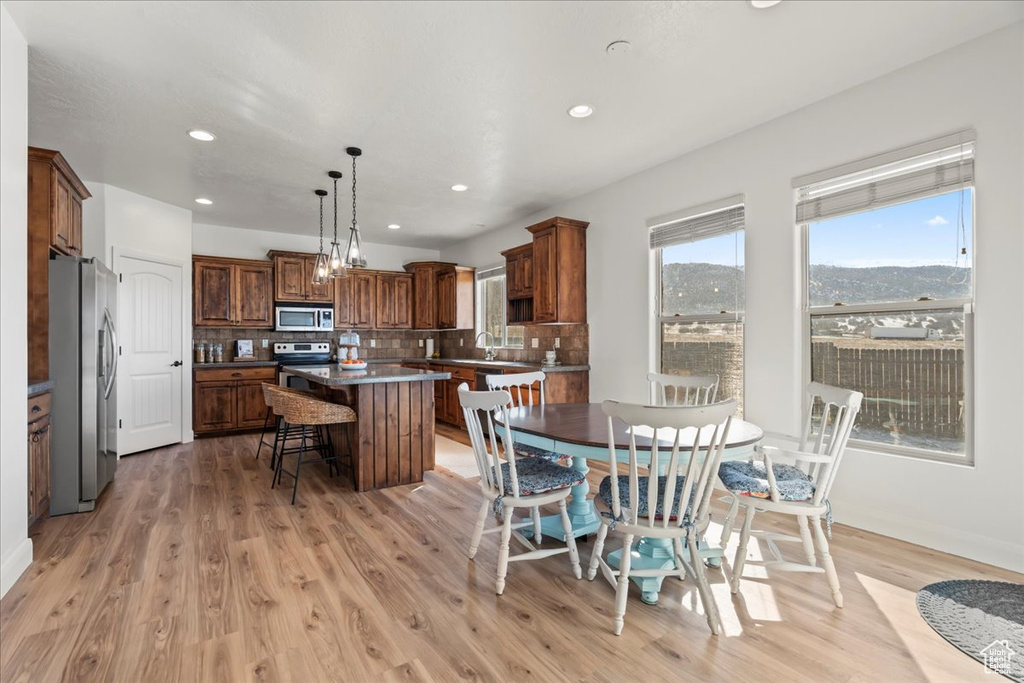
x=192 y=569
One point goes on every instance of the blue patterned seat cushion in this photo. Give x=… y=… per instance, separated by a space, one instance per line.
x=537 y=475
x=526 y=451
x=750 y=478
x=605 y=491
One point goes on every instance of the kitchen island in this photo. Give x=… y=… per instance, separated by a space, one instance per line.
x=392 y=440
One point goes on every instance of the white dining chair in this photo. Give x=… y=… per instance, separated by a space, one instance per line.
x=667 y=506
x=513 y=483
x=521 y=387
x=795 y=483
x=682 y=390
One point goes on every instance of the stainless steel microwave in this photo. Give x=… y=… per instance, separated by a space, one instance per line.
x=304 y=318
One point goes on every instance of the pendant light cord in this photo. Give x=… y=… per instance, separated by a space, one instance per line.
x=321 y=223
x=336 y=210
x=353 y=192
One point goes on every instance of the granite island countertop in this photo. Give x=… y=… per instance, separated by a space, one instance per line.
x=332 y=374
x=475 y=362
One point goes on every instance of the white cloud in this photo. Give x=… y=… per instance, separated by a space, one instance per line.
x=938 y=220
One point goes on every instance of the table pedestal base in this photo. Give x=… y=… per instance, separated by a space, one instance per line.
x=656 y=553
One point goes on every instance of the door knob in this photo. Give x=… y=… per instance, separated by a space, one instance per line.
x=176 y=364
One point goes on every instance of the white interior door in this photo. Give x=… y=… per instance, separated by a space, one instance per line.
x=151 y=372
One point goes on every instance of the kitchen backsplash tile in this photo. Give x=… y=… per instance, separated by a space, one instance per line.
x=574 y=342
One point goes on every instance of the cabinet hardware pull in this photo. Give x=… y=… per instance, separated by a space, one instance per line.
x=36 y=409
x=236 y=374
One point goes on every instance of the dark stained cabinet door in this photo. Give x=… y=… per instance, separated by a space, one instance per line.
x=446 y=313
x=60 y=230
x=39 y=467
x=385 y=301
x=255 y=292
x=252 y=407
x=343 y=302
x=545 y=277
x=75 y=245
x=525 y=274
x=424 y=291
x=213 y=294
x=289 y=278
x=214 y=405
x=402 y=309
x=364 y=295
x=320 y=293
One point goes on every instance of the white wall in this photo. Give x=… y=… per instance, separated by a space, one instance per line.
x=15 y=545
x=219 y=240
x=976 y=512
x=116 y=221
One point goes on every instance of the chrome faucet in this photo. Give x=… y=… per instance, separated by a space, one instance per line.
x=489 y=353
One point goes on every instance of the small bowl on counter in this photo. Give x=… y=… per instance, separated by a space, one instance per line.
x=352 y=365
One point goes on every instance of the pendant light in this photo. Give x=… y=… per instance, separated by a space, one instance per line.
x=354 y=257
x=320 y=266
x=335 y=263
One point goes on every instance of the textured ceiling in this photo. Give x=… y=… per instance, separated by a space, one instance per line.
x=436 y=93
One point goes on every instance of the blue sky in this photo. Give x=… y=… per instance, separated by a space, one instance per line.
x=916 y=233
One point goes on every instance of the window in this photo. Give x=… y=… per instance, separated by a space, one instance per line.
x=889 y=295
x=491 y=310
x=701 y=294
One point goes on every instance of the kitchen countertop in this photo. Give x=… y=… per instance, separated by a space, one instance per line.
x=331 y=374
x=513 y=365
x=237 y=364
x=37 y=388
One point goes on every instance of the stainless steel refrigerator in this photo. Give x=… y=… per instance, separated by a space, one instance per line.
x=83 y=366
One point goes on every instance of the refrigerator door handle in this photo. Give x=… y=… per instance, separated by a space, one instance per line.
x=114 y=352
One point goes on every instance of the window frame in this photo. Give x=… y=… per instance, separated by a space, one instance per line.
x=478 y=312
x=697 y=318
x=965 y=303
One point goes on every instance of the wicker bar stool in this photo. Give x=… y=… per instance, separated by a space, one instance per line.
x=310 y=415
x=282 y=432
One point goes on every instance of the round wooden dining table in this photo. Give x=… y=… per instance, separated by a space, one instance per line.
x=580 y=430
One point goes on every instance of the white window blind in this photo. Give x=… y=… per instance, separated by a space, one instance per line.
x=483 y=274
x=699 y=223
x=948 y=168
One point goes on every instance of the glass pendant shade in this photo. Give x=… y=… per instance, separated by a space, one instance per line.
x=336 y=263
x=320 y=270
x=354 y=251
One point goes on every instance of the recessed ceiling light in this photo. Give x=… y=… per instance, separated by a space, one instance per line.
x=393 y=226
x=618 y=47
x=764 y=4
x=202 y=135
x=460 y=187
x=204 y=201
x=581 y=111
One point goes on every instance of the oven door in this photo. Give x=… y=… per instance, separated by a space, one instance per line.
x=296 y=319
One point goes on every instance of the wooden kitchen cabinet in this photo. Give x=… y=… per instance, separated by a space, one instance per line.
x=229 y=399
x=519 y=271
x=38 y=456
x=293 y=278
x=232 y=293
x=393 y=301
x=442 y=295
x=364 y=299
x=343 y=303
x=559 y=269
x=55 y=196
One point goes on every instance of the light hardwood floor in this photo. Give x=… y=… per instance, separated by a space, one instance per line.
x=192 y=569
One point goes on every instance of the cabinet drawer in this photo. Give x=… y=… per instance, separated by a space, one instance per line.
x=461 y=372
x=228 y=374
x=38 y=407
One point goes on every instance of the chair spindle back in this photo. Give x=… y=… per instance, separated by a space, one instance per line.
x=519 y=386
x=487 y=456
x=710 y=429
x=682 y=390
x=827 y=433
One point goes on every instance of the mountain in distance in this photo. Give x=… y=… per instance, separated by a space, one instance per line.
x=696 y=288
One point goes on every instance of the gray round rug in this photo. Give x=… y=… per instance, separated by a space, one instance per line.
x=984 y=619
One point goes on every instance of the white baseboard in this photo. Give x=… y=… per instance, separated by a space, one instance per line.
x=972 y=546
x=15 y=565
